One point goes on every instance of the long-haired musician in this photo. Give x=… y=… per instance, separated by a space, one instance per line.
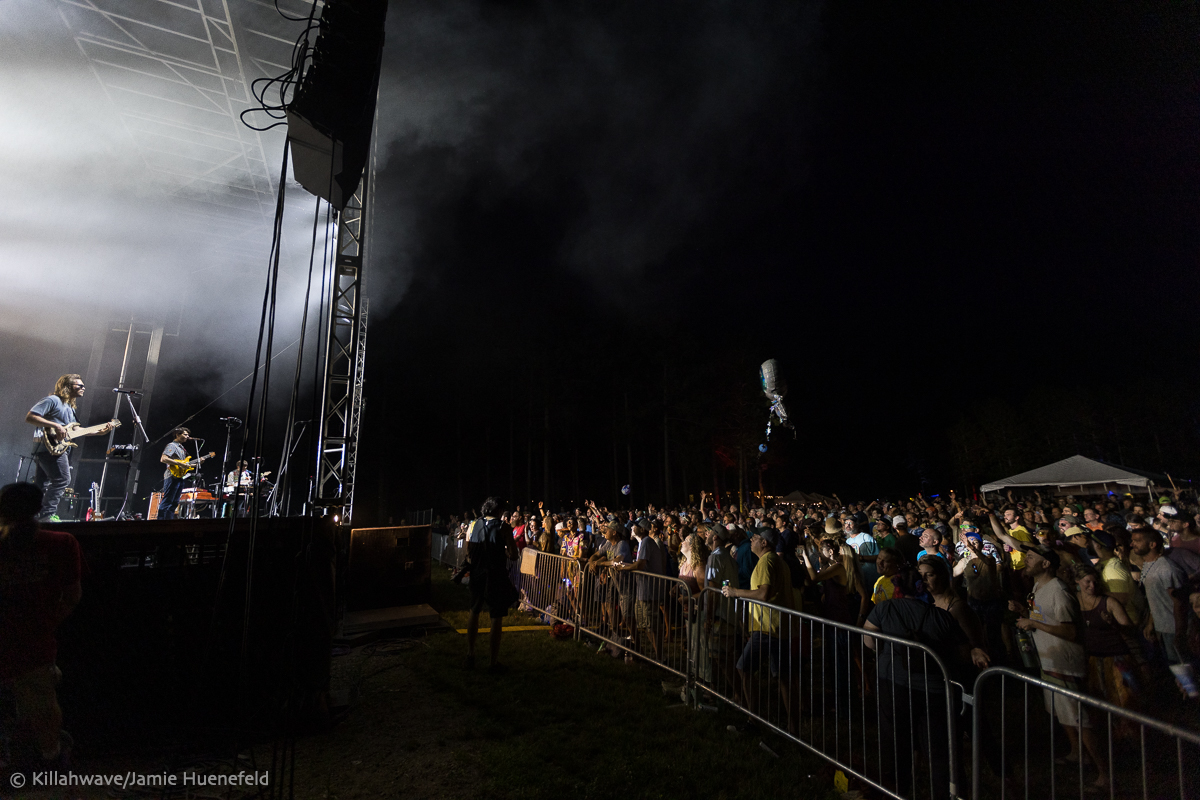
x=54 y=413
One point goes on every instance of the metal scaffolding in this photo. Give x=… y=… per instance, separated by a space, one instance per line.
x=178 y=73
x=341 y=392
x=124 y=356
x=356 y=406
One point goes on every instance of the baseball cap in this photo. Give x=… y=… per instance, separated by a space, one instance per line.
x=769 y=535
x=1075 y=530
x=721 y=531
x=1170 y=511
x=898 y=520
x=1104 y=539
x=1044 y=552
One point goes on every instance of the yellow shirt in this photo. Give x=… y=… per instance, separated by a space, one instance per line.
x=1116 y=577
x=884 y=590
x=1021 y=535
x=772 y=573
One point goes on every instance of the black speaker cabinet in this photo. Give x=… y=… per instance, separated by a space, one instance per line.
x=388 y=567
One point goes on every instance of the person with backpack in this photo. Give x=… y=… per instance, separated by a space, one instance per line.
x=914 y=700
x=488 y=549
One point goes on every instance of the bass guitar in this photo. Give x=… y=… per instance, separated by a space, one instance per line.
x=58 y=445
x=178 y=471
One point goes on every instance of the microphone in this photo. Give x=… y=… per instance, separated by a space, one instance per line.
x=134 y=392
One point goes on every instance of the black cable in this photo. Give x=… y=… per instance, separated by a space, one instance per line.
x=295 y=19
x=301 y=51
x=266 y=329
x=283 y=481
x=253 y=385
x=325 y=328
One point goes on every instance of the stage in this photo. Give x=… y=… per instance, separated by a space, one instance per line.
x=161 y=644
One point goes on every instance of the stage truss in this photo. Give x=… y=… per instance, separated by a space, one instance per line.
x=345 y=353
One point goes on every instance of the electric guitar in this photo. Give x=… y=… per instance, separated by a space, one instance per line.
x=178 y=471
x=57 y=446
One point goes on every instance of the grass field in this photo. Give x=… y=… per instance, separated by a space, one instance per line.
x=564 y=722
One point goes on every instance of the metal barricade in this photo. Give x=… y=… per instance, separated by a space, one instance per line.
x=879 y=707
x=647 y=616
x=448 y=550
x=882 y=708
x=1019 y=731
x=437 y=546
x=549 y=585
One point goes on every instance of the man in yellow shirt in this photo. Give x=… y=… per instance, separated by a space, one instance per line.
x=772 y=633
x=1015 y=536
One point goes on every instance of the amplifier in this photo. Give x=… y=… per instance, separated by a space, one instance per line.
x=388 y=567
x=155 y=499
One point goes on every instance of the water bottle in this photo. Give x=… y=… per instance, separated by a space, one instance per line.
x=1028 y=650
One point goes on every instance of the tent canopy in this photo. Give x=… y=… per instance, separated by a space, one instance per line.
x=1085 y=475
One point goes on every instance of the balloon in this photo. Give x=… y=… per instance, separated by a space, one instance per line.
x=774 y=388
x=762 y=448
x=625 y=489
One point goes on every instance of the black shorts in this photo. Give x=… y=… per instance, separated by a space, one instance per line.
x=783 y=655
x=493 y=590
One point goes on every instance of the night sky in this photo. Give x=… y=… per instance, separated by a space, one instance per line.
x=967 y=233
x=958 y=229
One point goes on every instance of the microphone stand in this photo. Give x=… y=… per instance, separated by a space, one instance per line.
x=191 y=512
x=230 y=424
x=280 y=494
x=136 y=456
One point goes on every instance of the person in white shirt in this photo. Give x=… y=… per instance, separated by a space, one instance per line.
x=1055 y=620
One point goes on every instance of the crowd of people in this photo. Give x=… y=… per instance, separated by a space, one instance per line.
x=1099 y=595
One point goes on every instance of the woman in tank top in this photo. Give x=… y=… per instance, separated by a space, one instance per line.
x=846 y=598
x=1115 y=670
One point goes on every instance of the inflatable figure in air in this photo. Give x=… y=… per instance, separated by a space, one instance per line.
x=774 y=388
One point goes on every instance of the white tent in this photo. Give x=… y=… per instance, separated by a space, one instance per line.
x=799 y=498
x=1076 y=475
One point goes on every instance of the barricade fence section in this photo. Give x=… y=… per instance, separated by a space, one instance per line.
x=884 y=709
x=640 y=614
x=549 y=585
x=1027 y=732
x=878 y=706
x=447 y=550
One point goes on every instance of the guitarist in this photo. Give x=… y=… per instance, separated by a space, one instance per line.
x=55 y=411
x=174 y=454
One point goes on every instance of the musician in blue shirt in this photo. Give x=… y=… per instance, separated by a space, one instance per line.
x=52 y=414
